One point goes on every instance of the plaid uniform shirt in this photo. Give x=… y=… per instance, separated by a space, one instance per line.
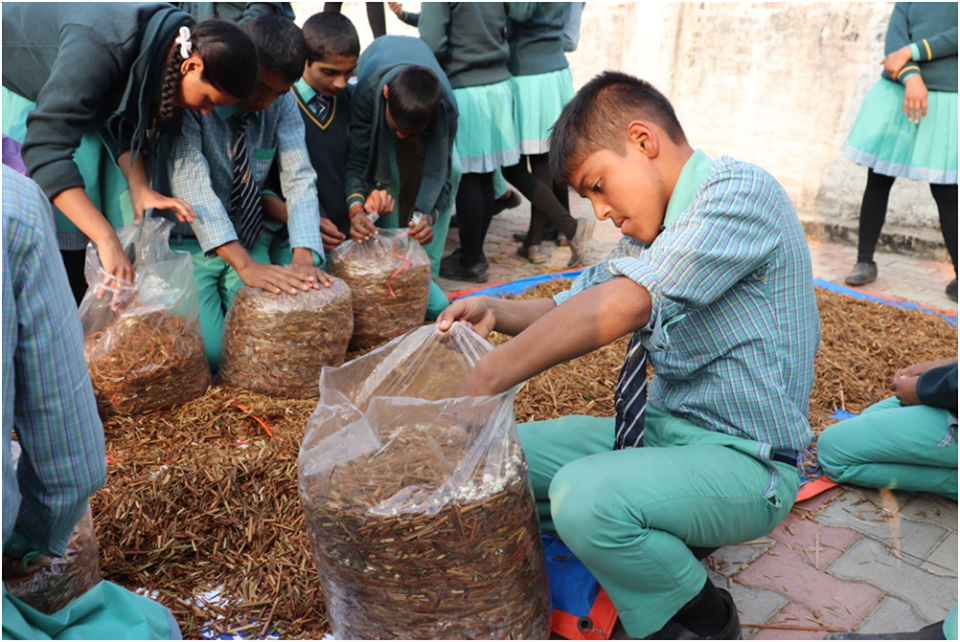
x=47 y=395
x=200 y=168
x=734 y=325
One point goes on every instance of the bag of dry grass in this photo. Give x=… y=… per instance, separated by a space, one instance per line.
x=389 y=277
x=418 y=504
x=61 y=579
x=142 y=340
x=277 y=344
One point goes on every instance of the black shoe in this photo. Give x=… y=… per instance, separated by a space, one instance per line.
x=454 y=258
x=456 y=272
x=508 y=202
x=932 y=632
x=731 y=630
x=951 y=290
x=862 y=274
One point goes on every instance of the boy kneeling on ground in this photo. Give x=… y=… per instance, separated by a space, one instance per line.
x=713 y=279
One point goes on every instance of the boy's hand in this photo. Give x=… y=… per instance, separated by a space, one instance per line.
x=361 y=227
x=421 y=230
x=149 y=199
x=915 y=99
x=274 y=278
x=379 y=202
x=894 y=62
x=330 y=235
x=396 y=8
x=905 y=388
x=313 y=276
x=473 y=311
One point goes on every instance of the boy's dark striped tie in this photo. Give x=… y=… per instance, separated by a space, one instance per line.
x=245 y=204
x=630 y=399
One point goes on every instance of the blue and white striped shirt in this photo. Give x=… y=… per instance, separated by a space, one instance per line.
x=734 y=325
x=47 y=395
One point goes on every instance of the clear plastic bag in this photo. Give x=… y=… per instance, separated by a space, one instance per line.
x=277 y=344
x=63 y=579
x=418 y=504
x=142 y=340
x=389 y=277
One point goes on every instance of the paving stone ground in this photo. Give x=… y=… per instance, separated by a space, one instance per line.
x=849 y=559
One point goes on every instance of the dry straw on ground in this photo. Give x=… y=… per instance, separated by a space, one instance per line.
x=187 y=507
x=277 y=344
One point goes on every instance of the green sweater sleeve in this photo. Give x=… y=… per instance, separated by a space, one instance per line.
x=435 y=19
x=362 y=131
x=938 y=387
x=939 y=46
x=66 y=107
x=898 y=37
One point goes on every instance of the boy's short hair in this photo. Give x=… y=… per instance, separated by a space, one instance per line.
x=414 y=97
x=329 y=34
x=598 y=116
x=280 y=45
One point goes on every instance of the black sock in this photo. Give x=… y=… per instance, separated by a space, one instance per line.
x=706 y=614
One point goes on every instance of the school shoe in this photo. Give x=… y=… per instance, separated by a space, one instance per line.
x=456 y=272
x=561 y=241
x=508 y=202
x=932 y=632
x=862 y=274
x=454 y=258
x=581 y=241
x=674 y=631
x=533 y=253
x=951 y=290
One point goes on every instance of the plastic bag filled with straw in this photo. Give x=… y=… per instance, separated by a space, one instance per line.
x=277 y=344
x=389 y=278
x=142 y=340
x=418 y=504
x=63 y=579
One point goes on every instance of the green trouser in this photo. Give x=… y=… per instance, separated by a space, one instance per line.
x=630 y=515
x=105 y=612
x=103 y=181
x=217 y=283
x=438 y=301
x=892 y=446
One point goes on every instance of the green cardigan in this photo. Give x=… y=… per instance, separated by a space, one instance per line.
x=536 y=46
x=930 y=30
x=371 y=139
x=85 y=64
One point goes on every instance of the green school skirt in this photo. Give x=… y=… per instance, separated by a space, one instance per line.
x=103 y=181
x=487 y=136
x=540 y=99
x=884 y=140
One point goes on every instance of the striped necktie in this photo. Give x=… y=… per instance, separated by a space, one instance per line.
x=630 y=399
x=320 y=106
x=245 y=205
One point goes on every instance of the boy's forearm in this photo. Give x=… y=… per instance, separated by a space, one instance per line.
x=234 y=254
x=587 y=321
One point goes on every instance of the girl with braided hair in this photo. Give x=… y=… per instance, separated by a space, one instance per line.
x=90 y=89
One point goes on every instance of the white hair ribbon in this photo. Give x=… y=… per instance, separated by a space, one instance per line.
x=184 y=41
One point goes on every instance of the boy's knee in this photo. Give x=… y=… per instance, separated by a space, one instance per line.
x=579 y=502
x=830 y=451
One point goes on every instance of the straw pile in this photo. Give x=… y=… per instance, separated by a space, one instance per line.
x=478 y=563
x=188 y=508
x=278 y=344
x=145 y=362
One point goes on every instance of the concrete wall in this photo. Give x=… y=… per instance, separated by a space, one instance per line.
x=777 y=84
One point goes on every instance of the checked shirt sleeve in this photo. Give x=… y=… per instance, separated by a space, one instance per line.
x=298 y=179
x=190 y=180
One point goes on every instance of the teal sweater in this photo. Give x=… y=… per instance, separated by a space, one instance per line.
x=84 y=64
x=536 y=46
x=468 y=38
x=930 y=29
x=372 y=141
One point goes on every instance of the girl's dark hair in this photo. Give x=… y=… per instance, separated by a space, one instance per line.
x=229 y=63
x=330 y=34
x=414 y=97
x=598 y=116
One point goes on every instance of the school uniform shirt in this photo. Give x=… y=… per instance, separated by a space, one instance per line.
x=47 y=395
x=328 y=142
x=85 y=64
x=200 y=171
x=734 y=325
x=372 y=142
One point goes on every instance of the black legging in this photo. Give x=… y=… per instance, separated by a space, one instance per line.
x=540 y=191
x=873 y=213
x=375 y=16
x=475 y=203
x=73 y=261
